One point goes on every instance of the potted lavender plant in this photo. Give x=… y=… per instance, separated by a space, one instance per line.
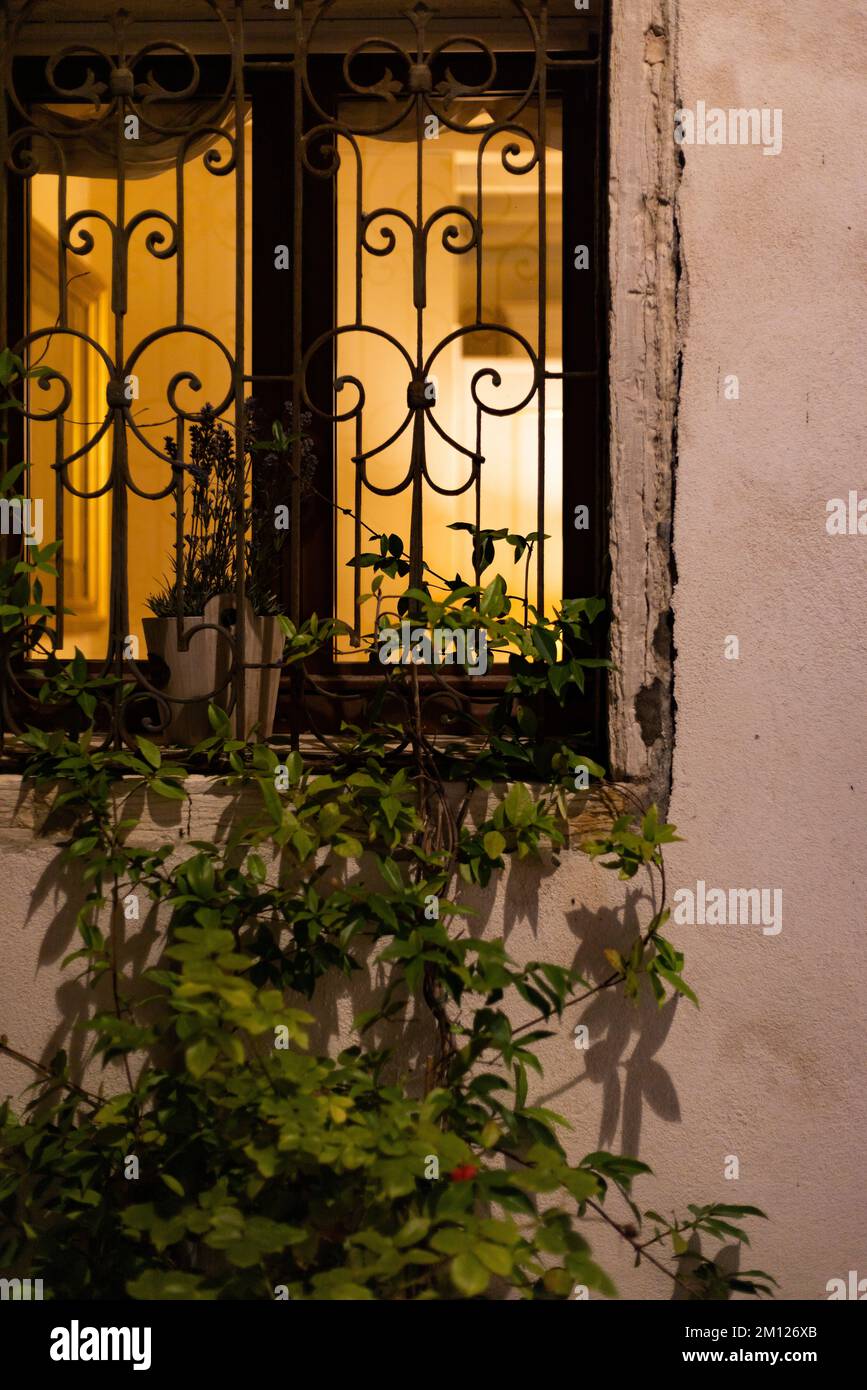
x=190 y=678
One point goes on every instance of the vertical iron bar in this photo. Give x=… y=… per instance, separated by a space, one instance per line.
x=62 y=290
x=62 y=319
x=416 y=525
x=59 y=499
x=359 y=503
x=297 y=289
x=542 y=346
x=297 y=282
x=4 y=177
x=359 y=236
x=240 y=336
x=180 y=275
x=477 y=573
x=119 y=581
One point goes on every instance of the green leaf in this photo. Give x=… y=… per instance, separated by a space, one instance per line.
x=391 y=874
x=721 y=1209
x=493 y=597
x=580 y=1184
x=412 y=1232
x=559 y=677
x=469 y=1275
x=199 y=1057
x=494 y=844
x=271 y=798
x=200 y=873
x=518 y=805
x=520 y=1085
x=650 y=823
x=10 y=366
x=348 y=847
x=545 y=643
x=449 y=1241
x=149 y=751
x=496 y=1258
x=11 y=477
x=169 y=790
x=677 y=983
x=155 y=1284
x=256 y=868
x=219 y=720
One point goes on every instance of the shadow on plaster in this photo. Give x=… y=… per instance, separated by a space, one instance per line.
x=629 y=1079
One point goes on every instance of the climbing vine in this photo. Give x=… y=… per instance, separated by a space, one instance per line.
x=223 y=1155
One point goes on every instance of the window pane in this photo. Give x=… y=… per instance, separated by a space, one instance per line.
x=510 y=299
x=209 y=304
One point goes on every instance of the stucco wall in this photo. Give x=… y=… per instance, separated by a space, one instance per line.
x=769 y=756
x=771 y=749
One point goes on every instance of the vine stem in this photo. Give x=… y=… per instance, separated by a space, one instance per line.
x=588 y=994
x=615 y=976
x=115 y=989
x=347 y=511
x=527 y=583
x=46 y=1071
x=639 y=1249
x=615 y=1225
x=431 y=839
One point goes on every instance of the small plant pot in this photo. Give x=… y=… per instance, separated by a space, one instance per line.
x=200 y=675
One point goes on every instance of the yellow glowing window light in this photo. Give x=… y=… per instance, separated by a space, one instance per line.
x=209 y=287
x=511 y=297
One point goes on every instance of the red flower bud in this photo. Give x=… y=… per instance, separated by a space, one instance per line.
x=464 y=1172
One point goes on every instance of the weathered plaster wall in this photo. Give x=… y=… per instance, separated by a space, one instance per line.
x=768 y=779
x=769 y=755
x=769 y=762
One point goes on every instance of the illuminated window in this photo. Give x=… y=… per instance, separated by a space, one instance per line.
x=204 y=206
x=482 y=266
x=395 y=245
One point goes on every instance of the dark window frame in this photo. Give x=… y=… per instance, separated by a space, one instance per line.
x=585 y=300
x=269 y=87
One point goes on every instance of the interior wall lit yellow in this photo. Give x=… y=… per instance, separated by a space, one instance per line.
x=210 y=304
x=510 y=284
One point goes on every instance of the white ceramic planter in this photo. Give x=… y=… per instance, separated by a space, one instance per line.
x=196 y=673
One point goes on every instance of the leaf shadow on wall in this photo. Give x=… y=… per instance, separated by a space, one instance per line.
x=727 y=1258
x=518 y=894
x=60 y=885
x=629 y=1079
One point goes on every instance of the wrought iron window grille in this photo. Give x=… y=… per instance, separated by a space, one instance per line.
x=298 y=81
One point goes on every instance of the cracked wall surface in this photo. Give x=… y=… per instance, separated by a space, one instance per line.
x=645 y=345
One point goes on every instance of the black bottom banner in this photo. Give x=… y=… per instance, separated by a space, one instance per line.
x=252 y=1340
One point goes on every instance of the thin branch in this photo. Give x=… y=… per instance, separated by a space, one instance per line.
x=639 y=1249
x=50 y=1075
